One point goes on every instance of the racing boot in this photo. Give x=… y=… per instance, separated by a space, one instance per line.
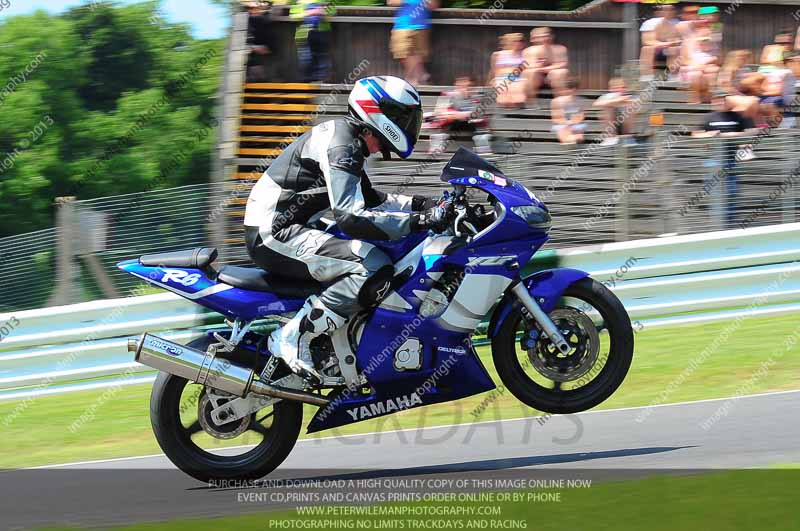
x=292 y=342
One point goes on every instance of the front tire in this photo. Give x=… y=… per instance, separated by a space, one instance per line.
x=168 y=405
x=525 y=371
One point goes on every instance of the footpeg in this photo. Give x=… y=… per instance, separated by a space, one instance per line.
x=311 y=376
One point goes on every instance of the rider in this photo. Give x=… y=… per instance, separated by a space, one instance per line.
x=322 y=174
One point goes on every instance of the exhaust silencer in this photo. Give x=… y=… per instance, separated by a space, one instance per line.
x=206 y=369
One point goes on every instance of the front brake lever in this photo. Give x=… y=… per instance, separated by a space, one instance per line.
x=462 y=213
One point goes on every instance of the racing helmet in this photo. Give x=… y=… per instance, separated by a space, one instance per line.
x=391 y=108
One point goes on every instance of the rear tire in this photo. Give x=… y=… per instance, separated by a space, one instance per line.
x=175 y=439
x=604 y=383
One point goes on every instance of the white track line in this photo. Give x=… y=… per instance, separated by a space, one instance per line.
x=382 y=433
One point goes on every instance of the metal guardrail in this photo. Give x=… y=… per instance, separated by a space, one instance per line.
x=661 y=281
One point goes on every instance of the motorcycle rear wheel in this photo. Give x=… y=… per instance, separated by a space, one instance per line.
x=168 y=404
x=548 y=381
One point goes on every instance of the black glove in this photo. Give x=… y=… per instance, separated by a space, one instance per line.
x=420 y=203
x=437 y=218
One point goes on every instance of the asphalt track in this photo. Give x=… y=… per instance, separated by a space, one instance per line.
x=751 y=432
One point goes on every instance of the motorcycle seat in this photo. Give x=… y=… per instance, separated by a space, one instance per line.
x=198 y=258
x=255 y=279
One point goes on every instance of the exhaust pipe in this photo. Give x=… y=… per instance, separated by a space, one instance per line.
x=206 y=369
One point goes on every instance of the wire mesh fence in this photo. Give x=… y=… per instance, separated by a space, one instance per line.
x=671 y=185
x=125 y=227
x=27 y=269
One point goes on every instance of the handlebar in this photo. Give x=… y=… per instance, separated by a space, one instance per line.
x=458 y=205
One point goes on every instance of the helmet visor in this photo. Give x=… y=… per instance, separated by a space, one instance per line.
x=407 y=117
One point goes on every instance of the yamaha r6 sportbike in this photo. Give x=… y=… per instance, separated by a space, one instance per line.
x=561 y=342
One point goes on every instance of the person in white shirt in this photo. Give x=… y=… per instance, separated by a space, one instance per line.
x=661 y=41
x=567 y=112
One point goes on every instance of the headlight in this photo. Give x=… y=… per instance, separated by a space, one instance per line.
x=537 y=218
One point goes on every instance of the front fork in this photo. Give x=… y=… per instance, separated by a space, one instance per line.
x=547 y=324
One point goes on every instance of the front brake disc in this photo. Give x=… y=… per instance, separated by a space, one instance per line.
x=580 y=333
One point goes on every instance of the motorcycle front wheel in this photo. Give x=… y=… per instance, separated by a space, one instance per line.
x=247 y=449
x=597 y=327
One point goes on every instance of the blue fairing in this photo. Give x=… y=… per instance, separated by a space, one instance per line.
x=397 y=249
x=450 y=370
x=227 y=300
x=394 y=249
x=547 y=287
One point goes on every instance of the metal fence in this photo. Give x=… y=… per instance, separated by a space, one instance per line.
x=671 y=185
x=76 y=261
x=124 y=227
x=27 y=269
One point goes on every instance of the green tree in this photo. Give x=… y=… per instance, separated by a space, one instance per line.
x=122 y=99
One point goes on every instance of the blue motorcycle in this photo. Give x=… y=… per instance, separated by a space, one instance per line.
x=560 y=341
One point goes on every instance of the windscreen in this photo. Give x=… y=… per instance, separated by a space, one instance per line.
x=466 y=163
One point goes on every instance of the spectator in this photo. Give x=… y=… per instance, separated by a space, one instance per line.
x=261 y=42
x=661 y=41
x=708 y=25
x=793 y=64
x=737 y=65
x=779 y=81
x=687 y=29
x=746 y=100
x=702 y=70
x=546 y=64
x=793 y=61
x=777 y=52
x=689 y=17
x=455 y=111
x=410 y=41
x=777 y=92
x=506 y=73
x=737 y=80
x=313 y=39
x=567 y=113
x=617 y=116
x=725 y=122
